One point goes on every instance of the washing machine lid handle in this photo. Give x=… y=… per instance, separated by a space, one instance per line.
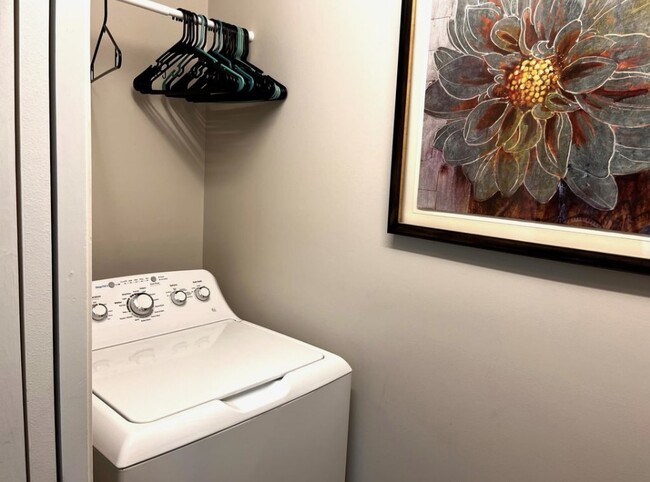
x=147 y=380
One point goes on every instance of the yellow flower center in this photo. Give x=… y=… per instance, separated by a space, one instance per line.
x=530 y=82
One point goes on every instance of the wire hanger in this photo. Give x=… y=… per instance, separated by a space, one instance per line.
x=118 y=52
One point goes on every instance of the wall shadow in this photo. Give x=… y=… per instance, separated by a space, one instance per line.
x=234 y=121
x=238 y=135
x=562 y=272
x=352 y=432
x=182 y=123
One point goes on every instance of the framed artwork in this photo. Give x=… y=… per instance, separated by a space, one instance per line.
x=524 y=125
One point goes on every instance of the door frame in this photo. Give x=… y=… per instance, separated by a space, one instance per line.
x=52 y=239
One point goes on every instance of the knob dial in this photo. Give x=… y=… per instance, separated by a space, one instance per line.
x=141 y=304
x=99 y=312
x=202 y=293
x=179 y=297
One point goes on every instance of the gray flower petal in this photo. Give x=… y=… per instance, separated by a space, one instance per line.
x=631 y=52
x=527 y=37
x=457 y=152
x=599 y=192
x=466 y=77
x=479 y=20
x=567 y=37
x=551 y=15
x=471 y=169
x=593 y=144
x=445 y=131
x=484 y=122
x=453 y=36
x=590 y=47
x=558 y=103
x=539 y=183
x=485 y=184
x=593 y=10
x=629 y=160
x=510 y=7
x=510 y=125
x=620 y=102
x=622 y=17
x=510 y=170
x=438 y=103
x=459 y=24
x=632 y=152
x=540 y=112
x=586 y=74
x=443 y=56
x=505 y=34
x=503 y=63
x=528 y=134
x=542 y=49
x=633 y=137
x=554 y=147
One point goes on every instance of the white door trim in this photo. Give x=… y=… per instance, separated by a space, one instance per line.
x=72 y=162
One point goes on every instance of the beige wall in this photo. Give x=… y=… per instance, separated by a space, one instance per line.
x=148 y=154
x=469 y=365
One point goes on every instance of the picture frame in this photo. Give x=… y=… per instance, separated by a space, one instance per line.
x=607 y=248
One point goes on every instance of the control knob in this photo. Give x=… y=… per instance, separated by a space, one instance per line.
x=179 y=297
x=99 y=312
x=202 y=293
x=141 y=304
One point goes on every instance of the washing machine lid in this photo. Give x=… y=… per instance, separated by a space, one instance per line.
x=149 y=379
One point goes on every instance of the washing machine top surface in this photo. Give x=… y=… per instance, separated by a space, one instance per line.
x=146 y=380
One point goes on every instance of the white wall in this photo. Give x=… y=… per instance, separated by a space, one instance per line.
x=469 y=365
x=148 y=154
x=36 y=226
x=12 y=429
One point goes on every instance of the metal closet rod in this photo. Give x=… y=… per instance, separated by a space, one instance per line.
x=170 y=12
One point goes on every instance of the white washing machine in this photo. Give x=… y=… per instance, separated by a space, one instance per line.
x=184 y=390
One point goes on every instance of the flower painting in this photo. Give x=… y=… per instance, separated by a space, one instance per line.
x=534 y=111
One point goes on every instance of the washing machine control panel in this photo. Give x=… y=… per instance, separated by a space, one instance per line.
x=135 y=307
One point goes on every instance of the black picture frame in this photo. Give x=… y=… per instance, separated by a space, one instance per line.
x=399 y=227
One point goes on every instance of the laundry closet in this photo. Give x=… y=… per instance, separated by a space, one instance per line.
x=235 y=402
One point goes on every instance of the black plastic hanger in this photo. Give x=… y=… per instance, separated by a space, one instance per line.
x=212 y=70
x=221 y=73
x=144 y=81
x=235 y=42
x=179 y=55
